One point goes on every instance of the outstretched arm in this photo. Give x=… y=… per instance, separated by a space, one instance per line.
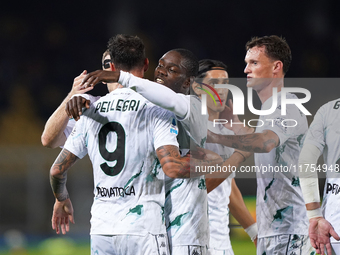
x=257 y=142
x=63 y=210
x=53 y=134
x=152 y=91
x=176 y=166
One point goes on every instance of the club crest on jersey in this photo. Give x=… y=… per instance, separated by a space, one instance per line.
x=173 y=128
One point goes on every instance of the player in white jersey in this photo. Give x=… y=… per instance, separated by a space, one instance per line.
x=213 y=72
x=186 y=200
x=112 y=123
x=323 y=138
x=281 y=215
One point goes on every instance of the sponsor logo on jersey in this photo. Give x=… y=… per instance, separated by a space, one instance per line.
x=333 y=188
x=173 y=128
x=115 y=191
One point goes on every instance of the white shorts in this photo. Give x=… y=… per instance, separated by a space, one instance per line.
x=189 y=250
x=335 y=248
x=129 y=245
x=285 y=245
x=212 y=251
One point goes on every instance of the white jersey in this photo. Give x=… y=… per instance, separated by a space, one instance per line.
x=280 y=207
x=324 y=133
x=218 y=199
x=186 y=199
x=71 y=122
x=69 y=127
x=121 y=132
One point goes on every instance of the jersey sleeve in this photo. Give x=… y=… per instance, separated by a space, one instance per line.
x=280 y=124
x=69 y=127
x=76 y=143
x=156 y=94
x=165 y=128
x=315 y=134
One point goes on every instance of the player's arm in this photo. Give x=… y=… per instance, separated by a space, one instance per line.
x=213 y=180
x=152 y=91
x=176 y=166
x=240 y=212
x=320 y=230
x=53 y=134
x=62 y=210
x=257 y=142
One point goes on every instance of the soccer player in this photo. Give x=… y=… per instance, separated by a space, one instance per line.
x=213 y=72
x=122 y=133
x=322 y=138
x=281 y=215
x=186 y=200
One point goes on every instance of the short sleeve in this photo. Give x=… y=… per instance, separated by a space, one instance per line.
x=76 y=143
x=165 y=128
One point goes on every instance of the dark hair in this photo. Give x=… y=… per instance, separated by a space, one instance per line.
x=206 y=65
x=190 y=61
x=276 y=48
x=127 y=51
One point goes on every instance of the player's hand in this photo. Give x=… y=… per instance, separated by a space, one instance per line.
x=209 y=157
x=95 y=77
x=62 y=215
x=77 y=87
x=74 y=107
x=320 y=231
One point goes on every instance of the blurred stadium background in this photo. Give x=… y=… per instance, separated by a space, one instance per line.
x=44 y=45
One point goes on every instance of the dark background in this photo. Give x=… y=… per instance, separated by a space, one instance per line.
x=43 y=46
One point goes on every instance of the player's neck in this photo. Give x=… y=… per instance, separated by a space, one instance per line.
x=213 y=115
x=267 y=92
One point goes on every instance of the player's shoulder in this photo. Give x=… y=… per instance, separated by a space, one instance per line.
x=334 y=104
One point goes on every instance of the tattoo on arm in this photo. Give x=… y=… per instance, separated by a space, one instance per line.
x=58 y=174
x=170 y=158
x=251 y=142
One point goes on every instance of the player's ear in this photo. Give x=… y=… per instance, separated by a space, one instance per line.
x=277 y=67
x=146 y=64
x=186 y=85
x=196 y=88
x=112 y=66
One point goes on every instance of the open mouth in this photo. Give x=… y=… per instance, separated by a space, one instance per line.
x=160 y=81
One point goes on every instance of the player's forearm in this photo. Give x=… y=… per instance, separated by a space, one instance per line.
x=58 y=174
x=176 y=166
x=256 y=142
x=238 y=208
x=308 y=178
x=53 y=134
x=213 y=180
x=155 y=93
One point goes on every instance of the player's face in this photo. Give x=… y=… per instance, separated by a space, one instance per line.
x=171 y=72
x=259 y=68
x=216 y=77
